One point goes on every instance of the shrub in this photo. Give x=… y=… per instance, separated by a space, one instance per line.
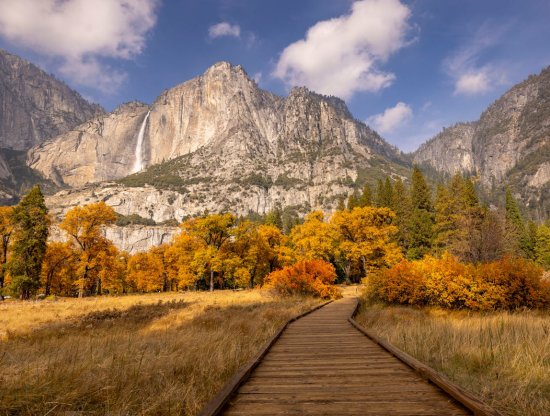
x=308 y=277
x=509 y=283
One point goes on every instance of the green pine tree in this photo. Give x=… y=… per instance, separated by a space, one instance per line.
x=275 y=217
x=401 y=206
x=422 y=219
x=542 y=246
x=516 y=241
x=29 y=246
x=365 y=200
x=353 y=201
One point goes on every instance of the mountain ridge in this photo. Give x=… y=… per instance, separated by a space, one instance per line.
x=509 y=145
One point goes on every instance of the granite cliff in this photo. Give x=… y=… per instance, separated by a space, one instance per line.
x=218 y=142
x=508 y=145
x=34 y=106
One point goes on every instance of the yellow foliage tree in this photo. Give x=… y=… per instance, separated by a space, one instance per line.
x=84 y=226
x=364 y=237
x=212 y=234
x=314 y=239
x=7 y=226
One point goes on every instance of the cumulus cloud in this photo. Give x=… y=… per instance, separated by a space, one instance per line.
x=470 y=76
x=391 y=118
x=474 y=82
x=81 y=33
x=224 y=29
x=342 y=56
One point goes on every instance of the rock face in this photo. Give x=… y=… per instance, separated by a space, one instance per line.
x=35 y=106
x=100 y=149
x=133 y=238
x=218 y=142
x=450 y=151
x=509 y=144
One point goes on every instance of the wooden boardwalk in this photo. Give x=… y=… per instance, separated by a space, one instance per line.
x=322 y=365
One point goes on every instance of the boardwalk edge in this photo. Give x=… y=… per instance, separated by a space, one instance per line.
x=467 y=399
x=218 y=402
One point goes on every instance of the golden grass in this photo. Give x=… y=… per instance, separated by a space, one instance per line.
x=142 y=358
x=502 y=357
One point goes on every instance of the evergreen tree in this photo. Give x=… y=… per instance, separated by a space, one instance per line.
x=530 y=240
x=445 y=227
x=341 y=204
x=365 y=200
x=515 y=234
x=421 y=194
x=458 y=220
x=353 y=201
x=401 y=206
x=29 y=247
x=542 y=246
x=388 y=193
x=275 y=218
x=422 y=218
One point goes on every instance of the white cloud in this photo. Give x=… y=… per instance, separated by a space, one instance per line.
x=341 y=56
x=224 y=29
x=474 y=82
x=391 y=118
x=470 y=77
x=81 y=33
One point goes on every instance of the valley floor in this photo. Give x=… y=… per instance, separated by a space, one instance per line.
x=141 y=354
x=502 y=357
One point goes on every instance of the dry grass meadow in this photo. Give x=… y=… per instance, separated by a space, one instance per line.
x=503 y=357
x=156 y=354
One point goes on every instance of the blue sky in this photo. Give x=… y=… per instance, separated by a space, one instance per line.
x=407 y=68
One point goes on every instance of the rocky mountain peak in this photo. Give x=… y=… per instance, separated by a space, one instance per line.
x=508 y=145
x=36 y=106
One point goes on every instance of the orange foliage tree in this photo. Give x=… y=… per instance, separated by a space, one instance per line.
x=508 y=283
x=308 y=277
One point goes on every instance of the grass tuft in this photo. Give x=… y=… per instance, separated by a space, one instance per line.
x=503 y=357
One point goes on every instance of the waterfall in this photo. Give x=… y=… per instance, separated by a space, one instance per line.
x=138 y=164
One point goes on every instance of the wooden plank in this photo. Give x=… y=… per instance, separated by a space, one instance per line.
x=322 y=365
x=214 y=406
x=466 y=398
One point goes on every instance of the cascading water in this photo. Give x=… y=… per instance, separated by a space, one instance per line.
x=138 y=164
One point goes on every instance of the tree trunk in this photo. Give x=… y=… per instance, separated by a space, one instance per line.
x=211 y=280
x=81 y=286
x=48 y=285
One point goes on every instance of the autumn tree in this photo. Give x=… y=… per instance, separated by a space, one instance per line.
x=213 y=232
x=364 y=240
x=112 y=270
x=7 y=226
x=254 y=252
x=31 y=223
x=84 y=226
x=145 y=272
x=315 y=238
x=58 y=269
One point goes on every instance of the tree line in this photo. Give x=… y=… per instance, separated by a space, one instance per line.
x=373 y=230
